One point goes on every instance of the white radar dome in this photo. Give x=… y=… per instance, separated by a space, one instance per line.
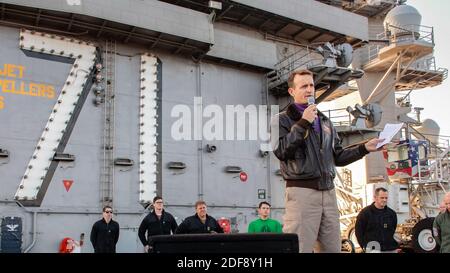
x=430 y=129
x=401 y=18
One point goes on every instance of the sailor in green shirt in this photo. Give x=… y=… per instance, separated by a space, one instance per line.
x=441 y=226
x=264 y=223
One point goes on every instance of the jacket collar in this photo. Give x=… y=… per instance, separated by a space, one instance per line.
x=207 y=217
x=377 y=209
x=104 y=221
x=294 y=114
x=154 y=213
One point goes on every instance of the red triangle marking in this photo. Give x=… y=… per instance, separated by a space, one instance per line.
x=67 y=184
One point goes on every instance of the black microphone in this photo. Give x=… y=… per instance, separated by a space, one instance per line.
x=311 y=100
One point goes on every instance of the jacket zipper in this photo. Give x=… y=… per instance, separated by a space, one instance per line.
x=321 y=146
x=318 y=155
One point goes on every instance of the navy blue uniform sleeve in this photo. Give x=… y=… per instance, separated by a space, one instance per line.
x=116 y=239
x=142 y=230
x=360 y=228
x=173 y=224
x=183 y=227
x=94 y=231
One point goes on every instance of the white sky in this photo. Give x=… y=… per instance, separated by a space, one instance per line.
x=436 y=100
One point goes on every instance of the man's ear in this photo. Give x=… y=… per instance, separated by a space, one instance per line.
x=290 y=91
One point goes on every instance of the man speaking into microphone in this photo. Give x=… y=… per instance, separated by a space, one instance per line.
x=309 y=148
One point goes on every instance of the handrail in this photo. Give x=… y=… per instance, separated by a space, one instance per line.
x=338 y=119
x=283 y=68
x=425 y=138
x=292 y=54
x=410 y=32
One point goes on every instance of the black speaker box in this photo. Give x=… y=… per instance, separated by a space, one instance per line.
x=226 y=243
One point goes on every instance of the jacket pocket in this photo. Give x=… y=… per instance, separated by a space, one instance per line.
x=304 y=164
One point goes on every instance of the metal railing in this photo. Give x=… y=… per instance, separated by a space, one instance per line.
x=398 y=34
x=428 y=63
x=438 y=156
x=303 y=58
x=431 y=144
x=444 y=72
x=339 y=116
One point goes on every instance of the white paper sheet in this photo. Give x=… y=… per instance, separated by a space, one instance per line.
x=389 y=131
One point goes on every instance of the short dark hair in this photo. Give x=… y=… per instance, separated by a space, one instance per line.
x=106 y=207
x=264 y=203
x=200 y=202
x=156 y=198
x=377 y=191
x=299 y=72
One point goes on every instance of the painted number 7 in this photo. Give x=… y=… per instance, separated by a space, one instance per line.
x=55 y=135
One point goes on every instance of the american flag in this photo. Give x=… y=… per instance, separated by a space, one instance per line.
x=407 y=167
